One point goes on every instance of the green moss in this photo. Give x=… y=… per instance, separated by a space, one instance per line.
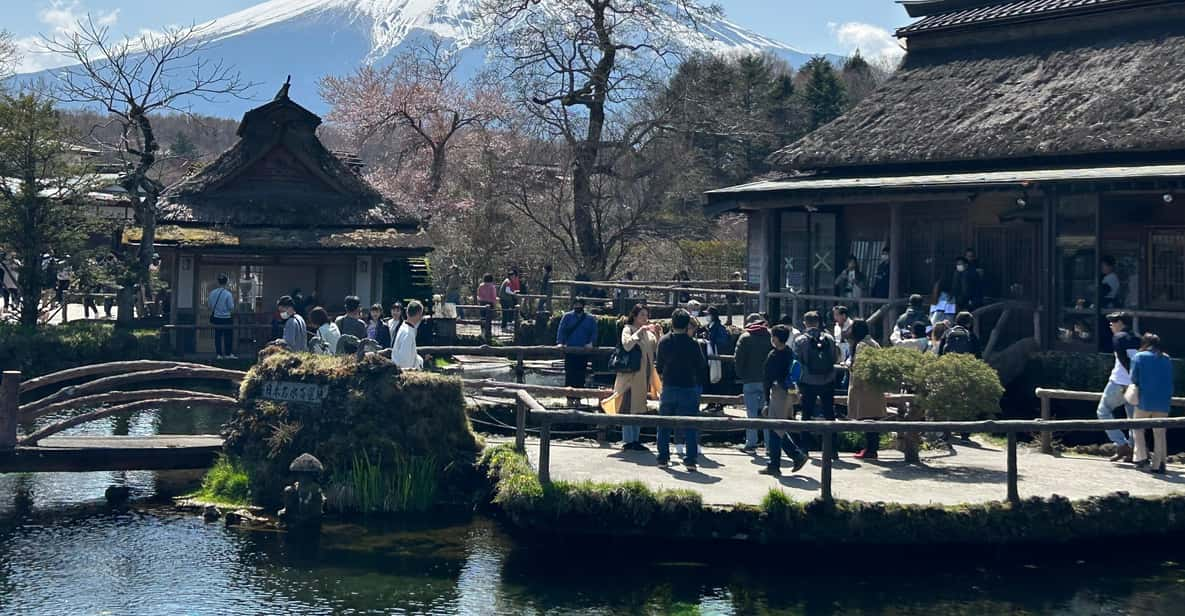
x=46 y=349
x=371 y=409
x=226 y=483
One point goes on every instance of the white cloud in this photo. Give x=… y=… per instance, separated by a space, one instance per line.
x=874 y=42
x=61 y=19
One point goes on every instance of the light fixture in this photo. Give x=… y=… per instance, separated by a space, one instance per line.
x=1168 y=197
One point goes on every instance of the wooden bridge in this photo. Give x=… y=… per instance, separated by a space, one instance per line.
x=98 y=387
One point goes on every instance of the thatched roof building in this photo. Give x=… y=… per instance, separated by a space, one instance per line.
x=1046 y=135
x=280 y=214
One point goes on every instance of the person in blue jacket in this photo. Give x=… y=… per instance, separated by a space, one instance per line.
x=577 y=329
x=1152 y=375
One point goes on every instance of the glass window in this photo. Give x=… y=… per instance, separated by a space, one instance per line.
x=808 y=252
x=1166 y=276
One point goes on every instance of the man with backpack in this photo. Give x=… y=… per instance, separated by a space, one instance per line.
x=915 y=313
x=577 y=330
x=749 y=362
x=780 y=378
x=818 y=353
x=961 y=338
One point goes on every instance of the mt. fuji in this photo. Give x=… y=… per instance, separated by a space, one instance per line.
x=310 y=39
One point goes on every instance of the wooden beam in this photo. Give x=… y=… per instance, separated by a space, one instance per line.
x=895 y=240
x=1013 y=491
x=10 y=382
x=114 y=453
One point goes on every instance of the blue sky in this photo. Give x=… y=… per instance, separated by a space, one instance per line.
x=812 y=25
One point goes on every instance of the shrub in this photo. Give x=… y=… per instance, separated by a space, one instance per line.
x=958 y=387
x=41 y=350
x=892 y=368
x=392 y=419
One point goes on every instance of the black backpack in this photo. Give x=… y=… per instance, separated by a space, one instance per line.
x=958 y=340
x=820 y=354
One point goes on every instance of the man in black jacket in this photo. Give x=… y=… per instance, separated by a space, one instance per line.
x=779 y=365
x=684 y=371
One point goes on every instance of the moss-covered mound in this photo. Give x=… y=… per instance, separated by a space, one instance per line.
x=373 y=425
x=634 y=509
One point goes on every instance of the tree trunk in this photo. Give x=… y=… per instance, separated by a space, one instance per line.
x=32 y=284
x=583 y=201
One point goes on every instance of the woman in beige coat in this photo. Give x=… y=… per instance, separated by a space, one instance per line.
x=865 y=401
x=634 y=387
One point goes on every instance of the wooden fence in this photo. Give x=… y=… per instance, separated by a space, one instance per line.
x=529 y=407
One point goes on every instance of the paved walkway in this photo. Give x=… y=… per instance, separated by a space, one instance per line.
x=972 y=474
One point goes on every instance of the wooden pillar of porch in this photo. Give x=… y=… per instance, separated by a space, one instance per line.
x=894 y=266
x=772 y=268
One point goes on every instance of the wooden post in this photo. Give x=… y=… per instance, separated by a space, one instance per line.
x=1013 y=492
x=794 y=308
x=545 y=452
x=520 y=426
x=828 y=451
x=10 y=391
x=895 y=268
x=1046 y=415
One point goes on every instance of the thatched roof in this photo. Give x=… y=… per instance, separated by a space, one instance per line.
x=952 y=14
x=277 y=238
x=279 y=173
x=1119 y=92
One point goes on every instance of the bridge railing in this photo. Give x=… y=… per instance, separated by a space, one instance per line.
x=102 y=391
x=529 y=406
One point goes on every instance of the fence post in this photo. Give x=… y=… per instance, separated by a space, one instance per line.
x=545 y=452
x=1046 y=415
x=828 y=450
x=10 y=390
x=520 y=426
x=1013 y=492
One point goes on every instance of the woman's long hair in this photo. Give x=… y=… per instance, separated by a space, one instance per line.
x=638 y=308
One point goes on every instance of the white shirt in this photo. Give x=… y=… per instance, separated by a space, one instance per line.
x=393 y=327
x=403 y=352
x=329 y=333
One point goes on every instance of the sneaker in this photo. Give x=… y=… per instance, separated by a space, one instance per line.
x=663 y=462
x=800 y=461
x=219 y=358
x=748 y=449
x=865 y=455
x=772 y=471
x=691 y=468
x=1143 y=464
x=1160 y=470
x=232 y=356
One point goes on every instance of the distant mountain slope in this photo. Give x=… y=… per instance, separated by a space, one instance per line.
x=313 y=38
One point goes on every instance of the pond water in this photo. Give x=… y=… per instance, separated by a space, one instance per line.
x=63 y=551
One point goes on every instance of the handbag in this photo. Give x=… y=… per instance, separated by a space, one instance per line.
x=626 y=361
x=1131 y=395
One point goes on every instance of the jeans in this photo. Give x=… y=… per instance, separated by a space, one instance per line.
x=824 y=395
x=678 y=402
x=223 y=335
x=1111 y=400
x=631 y=434
x=754 y=401
x=778 y=443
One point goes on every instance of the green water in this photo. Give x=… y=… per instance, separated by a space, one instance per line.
x=63 y=551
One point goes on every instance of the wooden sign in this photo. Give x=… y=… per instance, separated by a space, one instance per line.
x=307 y=393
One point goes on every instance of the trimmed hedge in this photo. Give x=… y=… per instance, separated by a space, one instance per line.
x=634 y=509
x=371 y=409
x=46 y=349
x=1081 y=371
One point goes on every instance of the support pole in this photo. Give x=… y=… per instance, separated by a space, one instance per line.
x=10 y=391
x=894 y=268
x=1013 y=491
x=1046 y=415
x=828 y=451
x=520 y=426
x=545 y=453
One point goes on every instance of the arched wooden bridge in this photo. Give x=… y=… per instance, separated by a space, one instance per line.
x=98 y=387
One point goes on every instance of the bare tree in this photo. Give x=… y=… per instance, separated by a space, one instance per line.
x=9 y=55
x=132 y=79
x=420 y=97
x=579 y=67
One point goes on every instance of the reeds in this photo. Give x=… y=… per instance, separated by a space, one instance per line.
x=403 y=484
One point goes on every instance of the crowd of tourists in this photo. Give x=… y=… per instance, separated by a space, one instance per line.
x=395 y=328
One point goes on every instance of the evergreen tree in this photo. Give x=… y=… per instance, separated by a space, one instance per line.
x=823 y=92
x=859 y=78
x=183 y=146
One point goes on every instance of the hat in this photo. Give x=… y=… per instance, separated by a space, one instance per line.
x=693 y=305
x=1120 y=316
x=754 y=318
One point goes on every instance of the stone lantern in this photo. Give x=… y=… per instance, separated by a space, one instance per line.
x=304 y=501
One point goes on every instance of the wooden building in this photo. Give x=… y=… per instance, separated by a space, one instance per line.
x=278 y=213
x=1047 y=135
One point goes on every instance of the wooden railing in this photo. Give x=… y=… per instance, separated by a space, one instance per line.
x=1046 y=396
x=530 y=408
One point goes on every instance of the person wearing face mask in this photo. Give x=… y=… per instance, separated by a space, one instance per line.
x=966 y=286
x=880 y=280
x=296 y=334
x=577 y=330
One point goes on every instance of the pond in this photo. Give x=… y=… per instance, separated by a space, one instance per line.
x=63 y=551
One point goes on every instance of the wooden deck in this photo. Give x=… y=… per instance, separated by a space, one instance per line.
x=114 y=453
